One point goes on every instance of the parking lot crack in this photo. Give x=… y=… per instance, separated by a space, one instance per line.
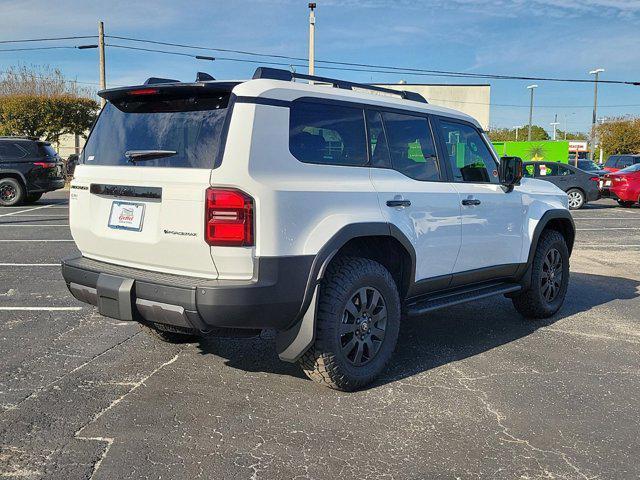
x=109 y=440
x=482 y=396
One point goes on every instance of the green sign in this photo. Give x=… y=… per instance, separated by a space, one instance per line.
x=549 y=151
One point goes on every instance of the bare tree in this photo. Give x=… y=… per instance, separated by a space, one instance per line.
x=41 y=81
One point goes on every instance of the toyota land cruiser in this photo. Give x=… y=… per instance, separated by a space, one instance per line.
x=325 y=210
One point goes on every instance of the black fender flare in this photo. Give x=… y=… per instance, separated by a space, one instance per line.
x=543 y=223
x=293 y=342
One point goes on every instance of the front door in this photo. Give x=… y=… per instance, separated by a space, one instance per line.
x=492 y=218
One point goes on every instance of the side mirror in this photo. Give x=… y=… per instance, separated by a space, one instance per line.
x=510 y=172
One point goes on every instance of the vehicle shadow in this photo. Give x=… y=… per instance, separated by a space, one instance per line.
x=442 y=336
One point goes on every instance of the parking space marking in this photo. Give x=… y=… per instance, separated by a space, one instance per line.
x=606 y=218
x=29 y=264
x=608 y=228
x=27 y=210
x=596 y=245
x=31 y=240
x=40 y=309
x=22 y=225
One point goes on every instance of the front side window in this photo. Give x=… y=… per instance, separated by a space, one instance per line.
x=625 y=162
x=611 y=161
x=411 y=145
x=468 y=154
x=327 y=134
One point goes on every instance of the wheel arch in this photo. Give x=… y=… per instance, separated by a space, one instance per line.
x=559 y=220
x=16 y=175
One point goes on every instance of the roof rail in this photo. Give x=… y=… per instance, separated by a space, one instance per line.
x=287 y=76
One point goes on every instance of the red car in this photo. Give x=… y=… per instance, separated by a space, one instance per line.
x=623 y=185
x=618 y=162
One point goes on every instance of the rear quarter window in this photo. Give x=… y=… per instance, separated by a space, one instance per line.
x=327 y=134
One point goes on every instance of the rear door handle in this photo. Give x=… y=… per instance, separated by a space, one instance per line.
x=471 y=201
x=398 y=203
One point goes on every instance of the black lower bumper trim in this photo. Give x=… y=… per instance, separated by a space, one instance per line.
x=272 y=299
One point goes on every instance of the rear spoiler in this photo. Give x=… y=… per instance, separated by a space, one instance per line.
x=168 y=87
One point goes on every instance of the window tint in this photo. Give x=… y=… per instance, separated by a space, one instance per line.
x=625 y=161
x=411 y=145
x=190 y=126
x=12 y=151
x=564 y=171
x=380 y=156
x=469 y=156
x=327 y=134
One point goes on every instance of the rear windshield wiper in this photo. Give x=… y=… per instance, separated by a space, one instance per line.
x=142 y=155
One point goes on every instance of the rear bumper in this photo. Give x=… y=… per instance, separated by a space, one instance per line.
x=272 y=299
x=46 y=185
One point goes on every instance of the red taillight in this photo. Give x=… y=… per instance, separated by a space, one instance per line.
x=44 y=164
x=144 y=91
x=228 y=218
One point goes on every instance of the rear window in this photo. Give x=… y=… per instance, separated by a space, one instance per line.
x=46 y=150
x=189 y=126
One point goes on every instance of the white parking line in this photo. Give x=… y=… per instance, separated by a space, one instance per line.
x=27 y=210
x=607 y=229
x=38 y=241
x=29 y=264
x=40 y=309
x=606 y=218
x=47 y=225
x=54 y=215
x=608 y=245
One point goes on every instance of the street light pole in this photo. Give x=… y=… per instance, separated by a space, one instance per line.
x=555 y=124
x=532 y=88
x=312 y=37
x=103 y=78
x=597 y=73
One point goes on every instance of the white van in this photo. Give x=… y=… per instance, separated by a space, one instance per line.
x=321 y=210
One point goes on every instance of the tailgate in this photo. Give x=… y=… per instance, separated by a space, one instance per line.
x=153 y=219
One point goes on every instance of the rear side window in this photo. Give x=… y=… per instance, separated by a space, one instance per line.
x=188 y=127
x=611 y=161
x=469 y=156
x=12 y=151
x=625 y=161
x=327 y=134
x=412 y=148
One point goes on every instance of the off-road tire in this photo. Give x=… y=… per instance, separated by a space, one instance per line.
x=325 y=362
x=33 y=197
x=532 y=303
x=13 y=188
x=579 y=196
x=173 y=335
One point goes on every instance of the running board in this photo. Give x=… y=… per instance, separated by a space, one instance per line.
x=440 y=300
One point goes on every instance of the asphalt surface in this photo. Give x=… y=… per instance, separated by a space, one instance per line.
x=473 y=391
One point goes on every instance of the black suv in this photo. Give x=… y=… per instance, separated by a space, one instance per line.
x=28 y=168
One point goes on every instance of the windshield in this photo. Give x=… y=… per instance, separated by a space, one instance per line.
x=587 y=165
x=190 y=126
x=631 y=169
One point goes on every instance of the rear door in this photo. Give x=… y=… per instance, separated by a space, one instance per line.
x=137 y=198
x=413 y=194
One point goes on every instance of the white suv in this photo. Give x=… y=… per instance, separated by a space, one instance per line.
x=324 y=210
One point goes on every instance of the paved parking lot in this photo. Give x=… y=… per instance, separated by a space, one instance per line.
x=473 y=391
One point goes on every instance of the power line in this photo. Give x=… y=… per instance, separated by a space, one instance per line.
x=401 y=70
x=48 y=39
x=57 y=47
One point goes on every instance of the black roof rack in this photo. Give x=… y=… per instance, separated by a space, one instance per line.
x=286 y=75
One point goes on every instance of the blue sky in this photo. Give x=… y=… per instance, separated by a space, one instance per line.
x=562 y=38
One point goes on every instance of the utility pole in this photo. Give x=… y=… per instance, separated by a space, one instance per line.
x=555 y=124
x=597 y=73
x=103 y=78
x=532 y=88
x=312 y=37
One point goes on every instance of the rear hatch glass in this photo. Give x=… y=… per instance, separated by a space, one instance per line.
x=190 y=126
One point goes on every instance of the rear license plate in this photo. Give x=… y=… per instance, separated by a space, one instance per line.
x=126 y=216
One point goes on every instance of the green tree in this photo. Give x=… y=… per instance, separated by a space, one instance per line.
x=509 y=134
x=40 y=102
x=620 y=135
x=561 y=135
